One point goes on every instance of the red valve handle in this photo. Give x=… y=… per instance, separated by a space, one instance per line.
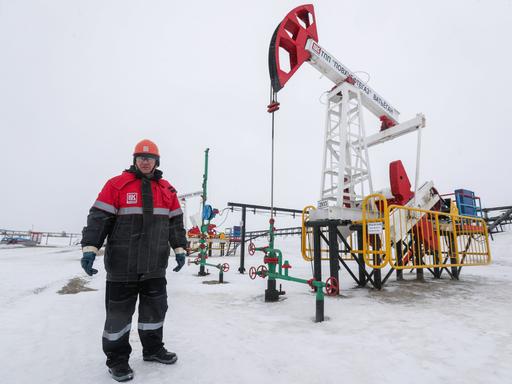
x=225 y=267
x=252 y=248
x=332 y=287
x=252 y=273
x=262 y=271
x=197 y=260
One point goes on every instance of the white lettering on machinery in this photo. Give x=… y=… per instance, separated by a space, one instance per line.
x=341 y=69
x=345 y=72
x=326 y=57
x=382 y=103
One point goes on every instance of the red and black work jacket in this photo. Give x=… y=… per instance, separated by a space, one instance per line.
x=141 y=219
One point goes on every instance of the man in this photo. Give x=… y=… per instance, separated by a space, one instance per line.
x=139 y=214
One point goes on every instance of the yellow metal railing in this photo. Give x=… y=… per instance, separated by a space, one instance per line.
x=431 y=239
x=306 y=250
x=307 y=239
x=409 y=238
x=376 y=244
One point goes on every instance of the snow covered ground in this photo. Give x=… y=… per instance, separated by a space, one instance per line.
x=432 y=332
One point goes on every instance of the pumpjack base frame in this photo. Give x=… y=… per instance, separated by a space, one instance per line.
x=329 y=231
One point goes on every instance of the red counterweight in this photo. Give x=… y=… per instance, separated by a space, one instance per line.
x=400 y=184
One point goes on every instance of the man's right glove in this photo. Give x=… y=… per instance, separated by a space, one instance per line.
x=87 y=262
x=180 y=260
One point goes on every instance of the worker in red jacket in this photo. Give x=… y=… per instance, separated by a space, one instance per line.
x=139 y=215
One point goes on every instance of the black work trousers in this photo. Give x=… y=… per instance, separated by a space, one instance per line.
x=120 y=300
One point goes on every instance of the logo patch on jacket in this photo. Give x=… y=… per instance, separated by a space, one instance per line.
x=131 y=198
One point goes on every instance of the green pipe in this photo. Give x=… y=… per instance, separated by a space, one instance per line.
x=270 y=251
x=205 y=175
x=318 y=284
x=213 y=265
x=319 y=292
x=279 y=260
x=204 y=227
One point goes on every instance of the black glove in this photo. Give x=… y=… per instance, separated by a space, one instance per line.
x=180 y=260
x=87 y=262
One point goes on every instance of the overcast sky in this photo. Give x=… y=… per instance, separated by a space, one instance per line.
x=82 y=81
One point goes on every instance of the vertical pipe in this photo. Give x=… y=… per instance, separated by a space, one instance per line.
x=204 y=226
x=454 y=249
x=319 y=312
x=416 y=177
x=202 y=270
x=453 y=260
x=271 y=293
x=422 y=247
x=242 y=242
x=377 y=275
x=437 y=246
x=399 y=256
x=317 y=253
x=333 y=251
x=360 y=257
x=419 y=270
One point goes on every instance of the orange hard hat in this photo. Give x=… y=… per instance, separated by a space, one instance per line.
x=146 y=147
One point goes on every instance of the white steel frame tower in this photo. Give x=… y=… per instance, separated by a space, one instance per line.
x=346 y=175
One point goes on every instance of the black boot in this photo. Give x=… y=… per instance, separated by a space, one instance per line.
x=162 y=356
x=121 y=372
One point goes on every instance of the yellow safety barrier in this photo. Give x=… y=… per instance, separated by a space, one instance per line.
x=306 y=240
x=410 y=238
x=376 y=242
x=431 y=239
x=307 y=253
x=306 y=233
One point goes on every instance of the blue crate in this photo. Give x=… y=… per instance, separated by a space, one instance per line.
x=466 y=202
x=236 y=232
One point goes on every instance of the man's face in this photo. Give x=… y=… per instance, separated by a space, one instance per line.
x=145 y=164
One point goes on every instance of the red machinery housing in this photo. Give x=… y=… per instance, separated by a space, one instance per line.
x=400 y=184
x=402 y=194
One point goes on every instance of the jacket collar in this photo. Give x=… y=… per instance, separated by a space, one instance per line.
x=156 y=175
